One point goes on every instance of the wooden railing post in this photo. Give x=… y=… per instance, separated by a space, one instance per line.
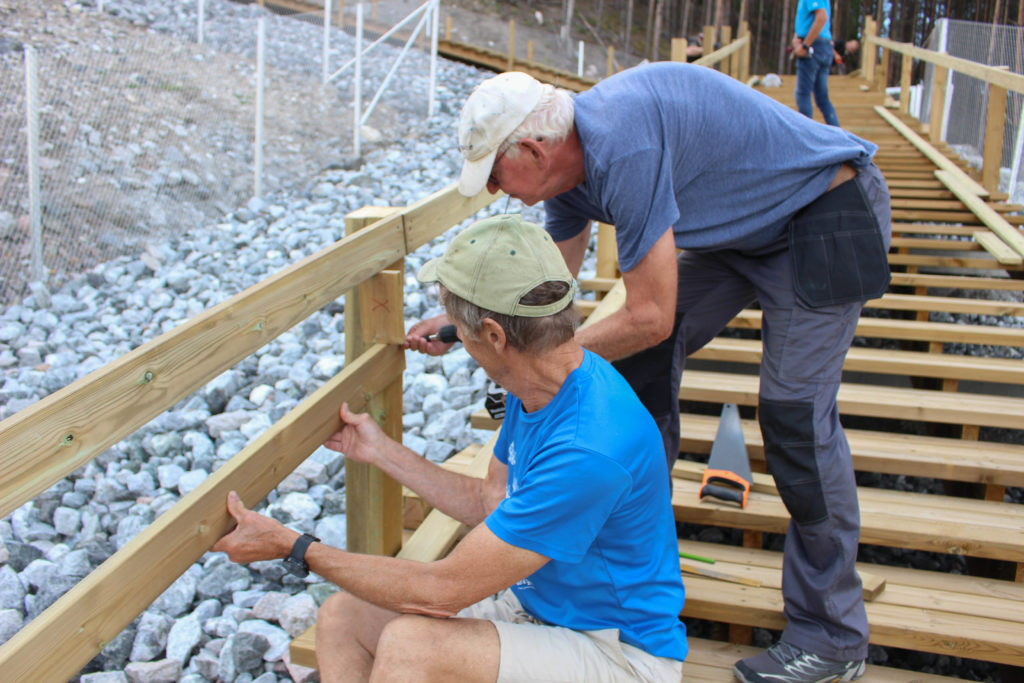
x=726 y=68
x=678 y=50
x=870 y=49
x=374 y=314
x=994 y=129
x=511 y=44
x=906 y=67
x=745 y=52
x=938 y=108
x=708 y=44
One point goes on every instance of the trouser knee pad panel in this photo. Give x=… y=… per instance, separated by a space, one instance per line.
x=788 y=431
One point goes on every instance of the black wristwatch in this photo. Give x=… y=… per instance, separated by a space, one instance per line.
x=296 y=560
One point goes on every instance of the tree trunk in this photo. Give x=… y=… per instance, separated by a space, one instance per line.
x=656 y=51
x=786 y=30
x=567 y=27
x=650 y=26
x=628 y=33
x=718 y=20
x=684 y=29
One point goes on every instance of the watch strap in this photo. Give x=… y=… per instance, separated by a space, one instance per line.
x=296 y=559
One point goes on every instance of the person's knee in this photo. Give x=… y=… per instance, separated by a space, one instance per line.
x=334 y=609
x=402 y=644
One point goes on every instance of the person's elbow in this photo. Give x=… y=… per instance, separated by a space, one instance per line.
x=653 y=324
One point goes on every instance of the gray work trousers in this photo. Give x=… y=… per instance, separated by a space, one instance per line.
x=803 y=351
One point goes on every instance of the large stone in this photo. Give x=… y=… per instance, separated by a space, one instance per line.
x=297 y=614
x=162 y=671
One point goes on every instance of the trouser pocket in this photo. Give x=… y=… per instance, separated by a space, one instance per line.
x=837 y=249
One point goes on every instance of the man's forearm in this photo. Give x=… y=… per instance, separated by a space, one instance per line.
x=619 y=335
x=457 y=495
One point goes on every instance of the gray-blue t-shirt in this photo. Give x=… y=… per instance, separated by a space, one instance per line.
x=683 y=146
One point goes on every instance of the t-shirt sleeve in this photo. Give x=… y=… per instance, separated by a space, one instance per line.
x=638 y=193
x=561 y=503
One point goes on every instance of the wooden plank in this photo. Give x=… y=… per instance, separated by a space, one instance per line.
x=1000 y=77
x=899 y=519
x=429 y=217
x=60 y=433
x=99 y=607
x=885 y=361
x=933 y=154
x=869 y=400
x=1000 y=251
x=885 y=452
x=983 y=211
x=913 y=330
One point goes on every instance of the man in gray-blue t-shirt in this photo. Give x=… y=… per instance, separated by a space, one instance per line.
x=765 y=205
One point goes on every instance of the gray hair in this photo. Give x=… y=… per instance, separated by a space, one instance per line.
x=528 y=335
x=552 y=119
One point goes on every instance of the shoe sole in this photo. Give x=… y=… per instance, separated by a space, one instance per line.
x=851 y=675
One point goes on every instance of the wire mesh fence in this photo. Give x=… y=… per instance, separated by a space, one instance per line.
x=966 y=103
x=144 y=132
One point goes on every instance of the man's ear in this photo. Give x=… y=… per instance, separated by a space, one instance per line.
x=494 y=334
x=537 y=151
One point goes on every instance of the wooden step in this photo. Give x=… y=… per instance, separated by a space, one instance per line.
x=885 y=361
x=899 y=519
x=870 y=400
x=982 y=462
x=913 y=330
x=949 y=614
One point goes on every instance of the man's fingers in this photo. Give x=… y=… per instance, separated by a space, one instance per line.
x=235 y=506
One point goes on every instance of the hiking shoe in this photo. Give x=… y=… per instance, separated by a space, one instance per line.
x=785 y=663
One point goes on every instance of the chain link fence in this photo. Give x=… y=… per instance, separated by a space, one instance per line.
x=143 y=132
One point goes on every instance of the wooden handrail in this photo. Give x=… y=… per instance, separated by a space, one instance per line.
x=988 y=74
x=65 y=430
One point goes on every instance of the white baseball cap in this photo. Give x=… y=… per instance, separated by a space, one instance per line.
x=496 y=107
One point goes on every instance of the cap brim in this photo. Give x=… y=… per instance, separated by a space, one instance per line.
x=428 y=272
x=474 y=175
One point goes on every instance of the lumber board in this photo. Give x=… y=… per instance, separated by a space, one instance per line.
x=870 y=400
x=934 y=155
x=999 y=249
x=100 y=606
x=63 y=431
x=957 y=281
x=885 y=361
x=426 y=219
x=913 y=330
x=984 y=462
x=985 y=213
x=899 y=519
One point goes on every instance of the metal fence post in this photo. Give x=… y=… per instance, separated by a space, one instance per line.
x=37 y=273
x=435 y=28
x=357 y=97
x=579 y=61
x=258 y=152
x=200 y=19
x=327 y=42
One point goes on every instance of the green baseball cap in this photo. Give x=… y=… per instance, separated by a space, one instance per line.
x=496 y=261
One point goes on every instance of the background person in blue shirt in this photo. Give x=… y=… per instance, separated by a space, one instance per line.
x=571 y=571
x=812 y=47
x=720 y=196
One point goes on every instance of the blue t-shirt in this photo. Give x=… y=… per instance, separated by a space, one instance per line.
x=586 y=488
x=805 y=18
x=683 y=146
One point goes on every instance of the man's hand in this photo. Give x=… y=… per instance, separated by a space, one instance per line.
x=255 y=536
x=416 y=338
x=360 y=437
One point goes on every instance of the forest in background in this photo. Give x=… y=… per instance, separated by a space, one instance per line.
x=645 y=28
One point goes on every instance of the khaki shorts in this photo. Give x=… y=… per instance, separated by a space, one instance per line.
x=533 y=651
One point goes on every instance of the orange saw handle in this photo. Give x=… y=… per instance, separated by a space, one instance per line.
x=725 y=485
